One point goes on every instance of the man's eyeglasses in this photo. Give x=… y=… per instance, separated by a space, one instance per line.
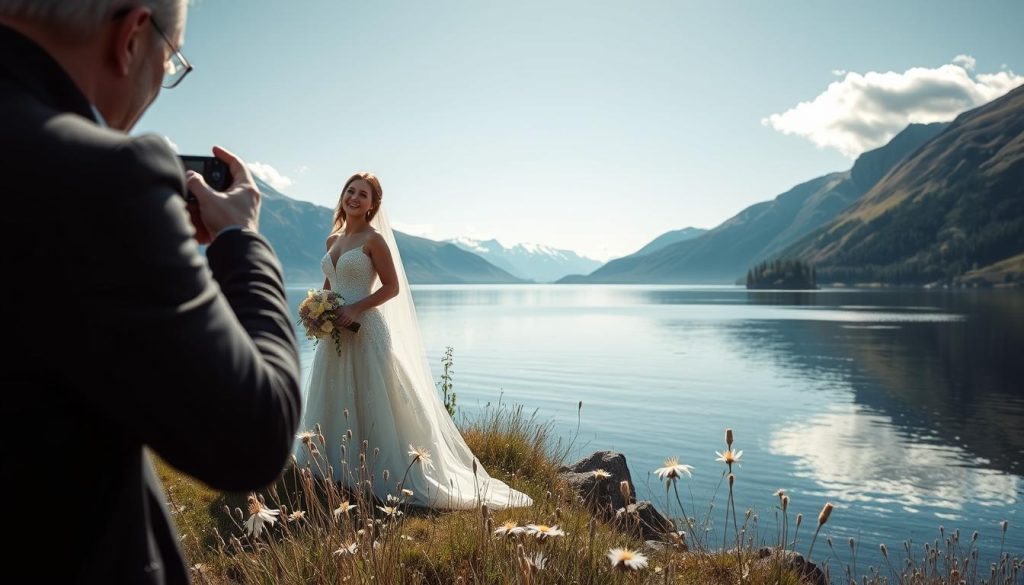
x=177 y=66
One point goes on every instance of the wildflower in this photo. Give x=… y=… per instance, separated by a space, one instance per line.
x=259 y=516
x=296 y=516
x=629 y=509
x=543 y=531
x=625 y=490
x=392 y=511
x=601 y=474
x=347 y=549
x=625 y=559
x=673 y=469
x=392 y=500
x=508 y=529
x=729 y=456
x=407 y=492
x=305 y=436
x=537 y=562
x=826 y=511
x=422 y=455
x=343 y=508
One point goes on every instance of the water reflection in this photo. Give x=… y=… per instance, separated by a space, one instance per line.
x=942 y=366
x=856 y=455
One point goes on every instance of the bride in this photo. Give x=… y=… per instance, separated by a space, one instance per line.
x=380 y=387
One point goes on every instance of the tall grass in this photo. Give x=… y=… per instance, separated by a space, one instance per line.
x=324 y=533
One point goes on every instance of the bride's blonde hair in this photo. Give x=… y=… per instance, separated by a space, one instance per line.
x=376 y=194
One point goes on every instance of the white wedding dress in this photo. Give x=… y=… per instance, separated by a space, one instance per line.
x=387 y=391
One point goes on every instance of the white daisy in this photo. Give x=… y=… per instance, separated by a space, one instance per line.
x=343 y=508
x=509 y=529
x=422 y=455
x=543 y=531
x=673 y=470
x=625 y=559
x=729 y=456
x=347 y=549
x=259 y=516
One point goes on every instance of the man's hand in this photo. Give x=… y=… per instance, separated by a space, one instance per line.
x=203 y=235
x=215 y=210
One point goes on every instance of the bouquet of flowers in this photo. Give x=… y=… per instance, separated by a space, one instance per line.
x=317 y=313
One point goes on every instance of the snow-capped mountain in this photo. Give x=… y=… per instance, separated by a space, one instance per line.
x=530 y=261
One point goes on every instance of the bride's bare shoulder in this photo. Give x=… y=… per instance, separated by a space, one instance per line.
x=331 y=238
x=375 y=241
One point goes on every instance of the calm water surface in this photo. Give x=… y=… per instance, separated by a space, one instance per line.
x=904 y=408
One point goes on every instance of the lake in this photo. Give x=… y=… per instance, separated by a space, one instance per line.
x=905 y=408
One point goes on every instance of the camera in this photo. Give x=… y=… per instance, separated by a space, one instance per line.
x=214 y=171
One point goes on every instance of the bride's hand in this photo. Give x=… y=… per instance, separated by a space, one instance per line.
x=347 y=315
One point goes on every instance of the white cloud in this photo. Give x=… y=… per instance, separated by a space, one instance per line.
x=172 y=144
x=270 y=175
x=965 y=61
x=839 y=72
x=862 y=112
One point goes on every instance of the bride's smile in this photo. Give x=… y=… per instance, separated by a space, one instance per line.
x=357 y=197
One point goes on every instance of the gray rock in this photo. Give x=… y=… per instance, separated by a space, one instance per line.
x=604 y=497
x=793 y=561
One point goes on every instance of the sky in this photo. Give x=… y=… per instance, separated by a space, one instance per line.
x=587 y=125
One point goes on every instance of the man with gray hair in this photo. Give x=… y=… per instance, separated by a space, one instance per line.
x=123 y=339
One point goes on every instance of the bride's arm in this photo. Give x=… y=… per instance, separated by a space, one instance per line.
x=330 y=241
x=384 y=264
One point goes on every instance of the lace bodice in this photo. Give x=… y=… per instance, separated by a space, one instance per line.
x=353 y=278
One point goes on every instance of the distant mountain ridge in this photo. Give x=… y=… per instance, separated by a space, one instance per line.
x=668 y=238
x=298 y=231
x=952 y=211
x=761 y=231
x=535 y=262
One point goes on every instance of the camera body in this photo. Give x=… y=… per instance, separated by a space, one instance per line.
x=214 y=171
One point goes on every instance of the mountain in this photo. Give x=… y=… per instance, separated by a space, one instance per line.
x=529 y=261
x=430 y=262
x=668 y=238
x=298 y=230
x=954 y=208
x=761 y=231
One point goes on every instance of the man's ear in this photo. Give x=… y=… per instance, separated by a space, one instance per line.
x=129 y=39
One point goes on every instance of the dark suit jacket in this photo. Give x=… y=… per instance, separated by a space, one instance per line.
x=122 y=337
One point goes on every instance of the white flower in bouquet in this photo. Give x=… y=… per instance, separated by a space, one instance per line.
x=317 y=314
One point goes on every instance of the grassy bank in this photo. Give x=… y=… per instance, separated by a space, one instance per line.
x=321 y=534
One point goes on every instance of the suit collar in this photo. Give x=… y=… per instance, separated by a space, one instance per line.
x=29 y=65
